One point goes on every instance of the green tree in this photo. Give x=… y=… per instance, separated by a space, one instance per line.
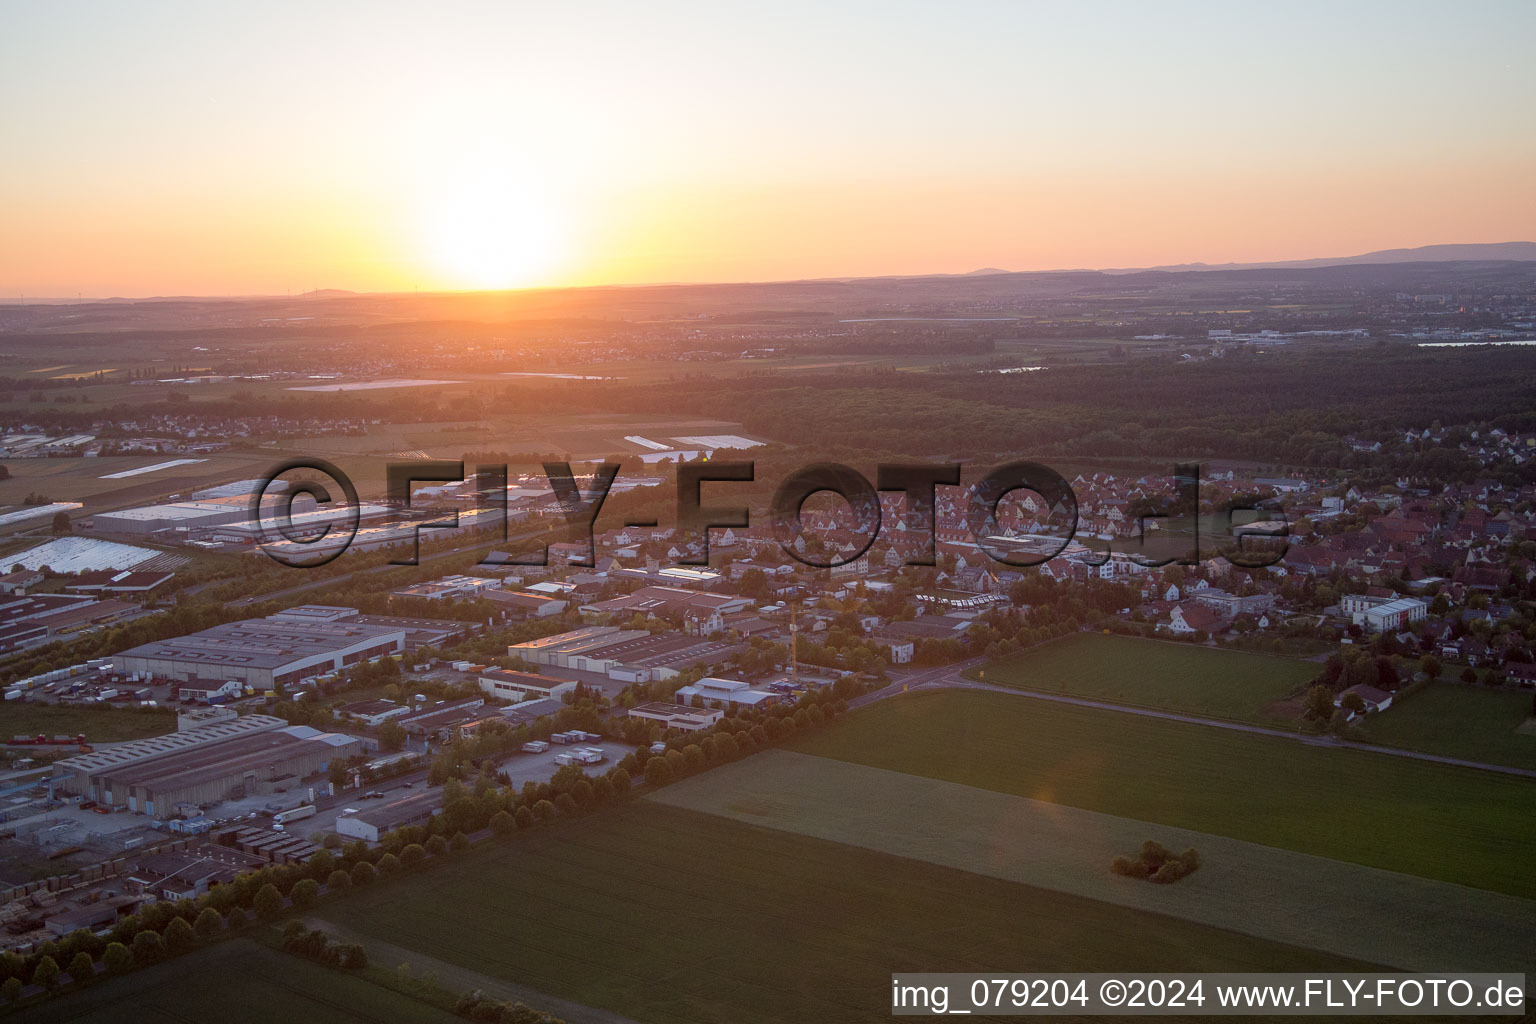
x=148 y=948
x=208 y=924
x=305 y=892
x=657 y=772
x=460 y=842
x=1318 y=704
x=117 y=958
x=389 y=864
x=179 y=936
x=60 y=526
x=363 y=873
x=82 y=969
x=524 y=817
x=11 y=989
x=413 y=857
x=1430 y=666
x=621 y=781
x=502 y=823
x=46 y=973
x=391 y=736
x=338 y=880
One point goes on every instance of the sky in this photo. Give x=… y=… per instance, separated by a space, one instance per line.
x=220 y=149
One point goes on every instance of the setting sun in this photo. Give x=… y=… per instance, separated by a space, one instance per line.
x=490 y=227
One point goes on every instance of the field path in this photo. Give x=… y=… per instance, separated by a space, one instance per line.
x=462 y=979
x=1364 y=913
x=949 y=678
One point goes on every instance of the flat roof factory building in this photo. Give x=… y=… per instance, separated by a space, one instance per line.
x=262 y=653
x=368 y=825
x=256 y=754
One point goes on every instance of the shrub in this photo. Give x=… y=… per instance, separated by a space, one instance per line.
x=1129 y=868
x=353 y=957
x=1157 y=864
x=1154 y=854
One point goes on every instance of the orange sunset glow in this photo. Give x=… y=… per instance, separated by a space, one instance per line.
x=505 y=146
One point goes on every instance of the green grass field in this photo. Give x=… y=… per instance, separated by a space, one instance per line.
x=1453 y=824
x=1347 y=909
x=1460 y=721
x=235 y=982
x=1155 y=674
x=107 y=724
x=664 y=914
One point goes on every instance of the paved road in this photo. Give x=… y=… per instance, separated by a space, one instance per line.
x=949 y=678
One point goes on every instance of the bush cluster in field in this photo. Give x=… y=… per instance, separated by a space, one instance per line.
x=1157 y=863
x=317 y=946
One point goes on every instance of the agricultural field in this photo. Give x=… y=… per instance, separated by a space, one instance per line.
x=581 y=435
x=1492 y=726
x=667 y=915
x=272 y=986
x=1436 y=821
x=85 y=480
x=1155 y=674
x=1290 y=897
x=99 y=724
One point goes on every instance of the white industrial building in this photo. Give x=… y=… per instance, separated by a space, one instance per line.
x=1392 y=615
x=262 y=654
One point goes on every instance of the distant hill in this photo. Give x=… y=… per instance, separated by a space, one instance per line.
x=1455 y=252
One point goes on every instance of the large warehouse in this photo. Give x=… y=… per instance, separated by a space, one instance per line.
x=262 y=653
x=255 y=754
